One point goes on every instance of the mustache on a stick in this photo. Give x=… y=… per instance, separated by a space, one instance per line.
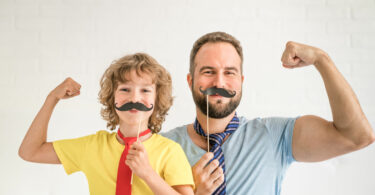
x=130 y=105
x=220 y=91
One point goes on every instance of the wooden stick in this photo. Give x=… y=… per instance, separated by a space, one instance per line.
x=139 y=127
x=208 y=129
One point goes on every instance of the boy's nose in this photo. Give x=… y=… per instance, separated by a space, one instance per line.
x=135 y=97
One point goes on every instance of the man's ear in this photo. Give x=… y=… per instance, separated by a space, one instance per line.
x=242 y=78
x=189 y=79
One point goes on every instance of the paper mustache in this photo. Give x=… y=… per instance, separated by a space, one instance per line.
x=220 y=91
x=130 y=105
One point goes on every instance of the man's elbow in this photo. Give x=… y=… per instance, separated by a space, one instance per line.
x=367 y=139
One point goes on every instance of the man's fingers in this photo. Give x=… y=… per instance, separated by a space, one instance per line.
x=203 y=161
x=218 y=182
x=216 y=174
x=212 y=166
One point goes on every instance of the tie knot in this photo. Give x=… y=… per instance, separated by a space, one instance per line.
x=217 y=139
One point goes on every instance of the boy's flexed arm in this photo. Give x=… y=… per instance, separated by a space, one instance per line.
x=35 y=147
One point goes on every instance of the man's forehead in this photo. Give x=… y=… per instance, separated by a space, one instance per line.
x=217 y=55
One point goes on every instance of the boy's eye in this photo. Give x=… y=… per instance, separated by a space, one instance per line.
x=124 y=89
x=146 y=90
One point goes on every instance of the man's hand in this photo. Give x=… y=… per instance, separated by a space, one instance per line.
x=67 y=89
x=137 y=160
x=298 y=55
x=209 y=177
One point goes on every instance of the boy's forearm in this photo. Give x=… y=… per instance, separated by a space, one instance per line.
x=36 y=136
x=158 y=185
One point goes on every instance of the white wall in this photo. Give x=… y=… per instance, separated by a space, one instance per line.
x=44 y=41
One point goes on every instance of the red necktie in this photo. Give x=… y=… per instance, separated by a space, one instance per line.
x=124 y=173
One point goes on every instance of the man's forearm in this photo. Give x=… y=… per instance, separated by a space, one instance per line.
x=348 y=117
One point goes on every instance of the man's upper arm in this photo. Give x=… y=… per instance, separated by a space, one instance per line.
x=315 y=139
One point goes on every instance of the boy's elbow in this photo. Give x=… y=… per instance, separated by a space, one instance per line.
x=24 y=155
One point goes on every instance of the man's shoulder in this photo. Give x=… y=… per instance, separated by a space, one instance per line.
x=266 y=121
x=176 y=134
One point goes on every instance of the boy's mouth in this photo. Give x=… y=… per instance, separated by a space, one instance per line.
x=133 y=111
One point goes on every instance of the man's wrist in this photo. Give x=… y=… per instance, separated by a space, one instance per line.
x=322 y=60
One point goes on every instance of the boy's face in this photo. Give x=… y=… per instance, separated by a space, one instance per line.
x=138 y=89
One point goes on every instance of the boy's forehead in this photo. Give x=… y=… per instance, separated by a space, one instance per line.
x=136 y=77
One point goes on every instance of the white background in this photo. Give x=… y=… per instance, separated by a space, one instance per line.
x=44 y=41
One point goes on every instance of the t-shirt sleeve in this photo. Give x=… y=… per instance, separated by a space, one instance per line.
x=177 y=169
x=71 y=152
x=281 y=131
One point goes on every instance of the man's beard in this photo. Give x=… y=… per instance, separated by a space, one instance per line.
x=216 y=111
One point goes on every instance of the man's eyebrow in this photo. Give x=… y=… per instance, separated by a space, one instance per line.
x=232 y=68
x=205 y=67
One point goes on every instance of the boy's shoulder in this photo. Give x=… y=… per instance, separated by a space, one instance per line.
x=165 y=141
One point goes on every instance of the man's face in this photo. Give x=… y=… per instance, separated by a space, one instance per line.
x=217 y=65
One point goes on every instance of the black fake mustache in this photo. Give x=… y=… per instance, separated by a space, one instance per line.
x=130 y=105
x=221 y=91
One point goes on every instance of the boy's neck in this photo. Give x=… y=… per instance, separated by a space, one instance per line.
x=131 y=130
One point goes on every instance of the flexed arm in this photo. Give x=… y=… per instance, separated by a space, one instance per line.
x=35 y=147
x=315 y=139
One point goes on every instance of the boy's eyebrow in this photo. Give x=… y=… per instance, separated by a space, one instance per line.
x=143 y=85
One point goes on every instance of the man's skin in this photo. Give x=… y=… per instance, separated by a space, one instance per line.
x=314 y=139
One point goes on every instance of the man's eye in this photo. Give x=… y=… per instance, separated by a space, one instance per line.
x=207 y=72
x=230 y=73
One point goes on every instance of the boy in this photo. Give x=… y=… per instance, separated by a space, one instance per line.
x=136 y=94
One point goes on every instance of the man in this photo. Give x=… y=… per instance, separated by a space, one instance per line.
x=257 y=152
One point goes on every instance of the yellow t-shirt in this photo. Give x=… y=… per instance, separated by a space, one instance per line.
x=98 y=155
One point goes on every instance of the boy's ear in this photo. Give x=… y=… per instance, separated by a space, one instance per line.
x=189 y=80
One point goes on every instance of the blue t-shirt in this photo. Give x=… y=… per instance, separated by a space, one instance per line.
x=256 y=155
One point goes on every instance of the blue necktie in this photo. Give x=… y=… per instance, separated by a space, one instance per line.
x=216 y=140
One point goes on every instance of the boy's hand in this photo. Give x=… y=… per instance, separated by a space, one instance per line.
x=137 y=160
x=67 y=89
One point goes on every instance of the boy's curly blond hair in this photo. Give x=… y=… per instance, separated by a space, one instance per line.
x=116 y=73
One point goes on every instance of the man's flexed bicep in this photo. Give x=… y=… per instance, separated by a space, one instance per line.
x=316 y=139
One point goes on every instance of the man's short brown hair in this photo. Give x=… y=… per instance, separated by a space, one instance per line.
x=213 y=37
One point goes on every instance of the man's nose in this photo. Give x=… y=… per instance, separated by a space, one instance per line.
x=219 y=81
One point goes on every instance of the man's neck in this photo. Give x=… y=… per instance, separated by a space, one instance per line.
x=214 y=125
